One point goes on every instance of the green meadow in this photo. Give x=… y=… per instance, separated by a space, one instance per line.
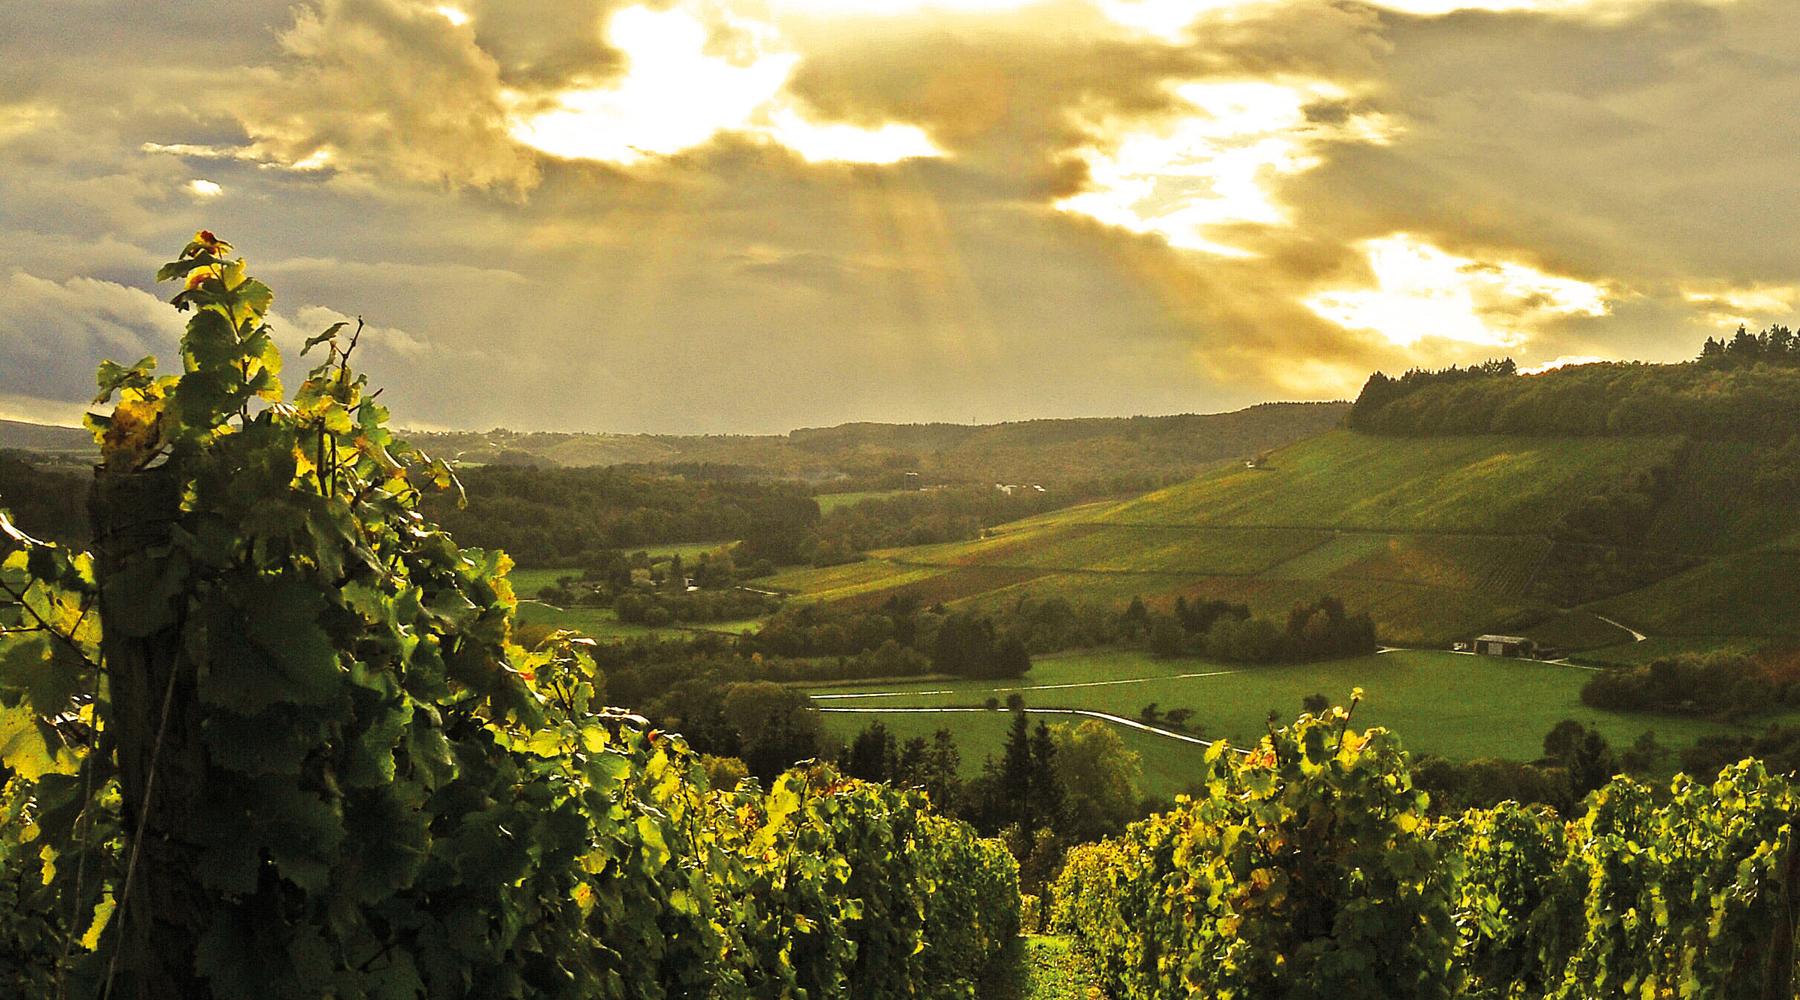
x=1447 y=704
x=603 y=624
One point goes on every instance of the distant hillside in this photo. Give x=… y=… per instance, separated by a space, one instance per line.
x=1051 y=452
x=19 y=435
x=42 y=500
x=1439 y=538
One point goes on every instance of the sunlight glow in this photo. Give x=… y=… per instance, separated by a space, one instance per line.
x=887 y=144
x=204 y=188
x=891 y=8
x=1732 y=306
x=1425 y=292
x=1563 y=361
x=1429 y=7
x=1167 y=19
x=1212 y=167
x=453 y=15
x=675 y=96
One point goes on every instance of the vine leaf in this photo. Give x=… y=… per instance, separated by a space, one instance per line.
x=31 y=747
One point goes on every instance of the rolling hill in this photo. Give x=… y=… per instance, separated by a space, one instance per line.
x=1053 y=452
x=1440 y=538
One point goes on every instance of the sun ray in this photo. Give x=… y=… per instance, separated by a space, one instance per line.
x=955 y=317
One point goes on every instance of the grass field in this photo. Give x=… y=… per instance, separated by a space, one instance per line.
x=1447 y=704
x=527 y=582
x=829 y=502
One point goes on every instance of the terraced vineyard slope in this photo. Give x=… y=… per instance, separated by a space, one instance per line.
x=1439 y=538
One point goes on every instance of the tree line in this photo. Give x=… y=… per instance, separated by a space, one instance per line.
x=572 y=518
x=1745 y=393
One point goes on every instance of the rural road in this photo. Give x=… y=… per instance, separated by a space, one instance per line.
x=1029 y=687
x=1636 y=636
x=1104 y=716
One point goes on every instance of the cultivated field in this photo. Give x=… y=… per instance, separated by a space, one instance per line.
x=1360 y=482
x=829 y=502
x=1111 y=548
x=1439 y=539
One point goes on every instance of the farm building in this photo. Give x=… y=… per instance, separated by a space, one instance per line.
x=1502 y=645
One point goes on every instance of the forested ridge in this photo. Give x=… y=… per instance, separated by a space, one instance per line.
x=1094 y=454
x=1747 y=390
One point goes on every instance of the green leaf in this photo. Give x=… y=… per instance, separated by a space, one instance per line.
x=113 y=377
x=210 y=342
x=180 y=268
x=30 y=747
x=30 y=663
x=330 y=333
x=255 y=296
x=271 y=649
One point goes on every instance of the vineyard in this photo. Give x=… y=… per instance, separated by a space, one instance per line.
x=1110 y=548
x=275 y=737
x=1308 y=868
x=1439 y=539
x=1500 y=565
x=1356 y=482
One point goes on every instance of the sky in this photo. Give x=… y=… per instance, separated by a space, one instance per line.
x=747 y=216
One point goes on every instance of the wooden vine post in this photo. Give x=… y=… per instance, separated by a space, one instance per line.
x=154 y=731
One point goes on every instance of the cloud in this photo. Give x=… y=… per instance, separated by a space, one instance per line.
x=391 y=88
x=54 y=334
x=365 y=159
x=543 y=48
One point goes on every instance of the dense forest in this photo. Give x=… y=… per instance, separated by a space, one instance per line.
x=1746 y=390
x=570 y=518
